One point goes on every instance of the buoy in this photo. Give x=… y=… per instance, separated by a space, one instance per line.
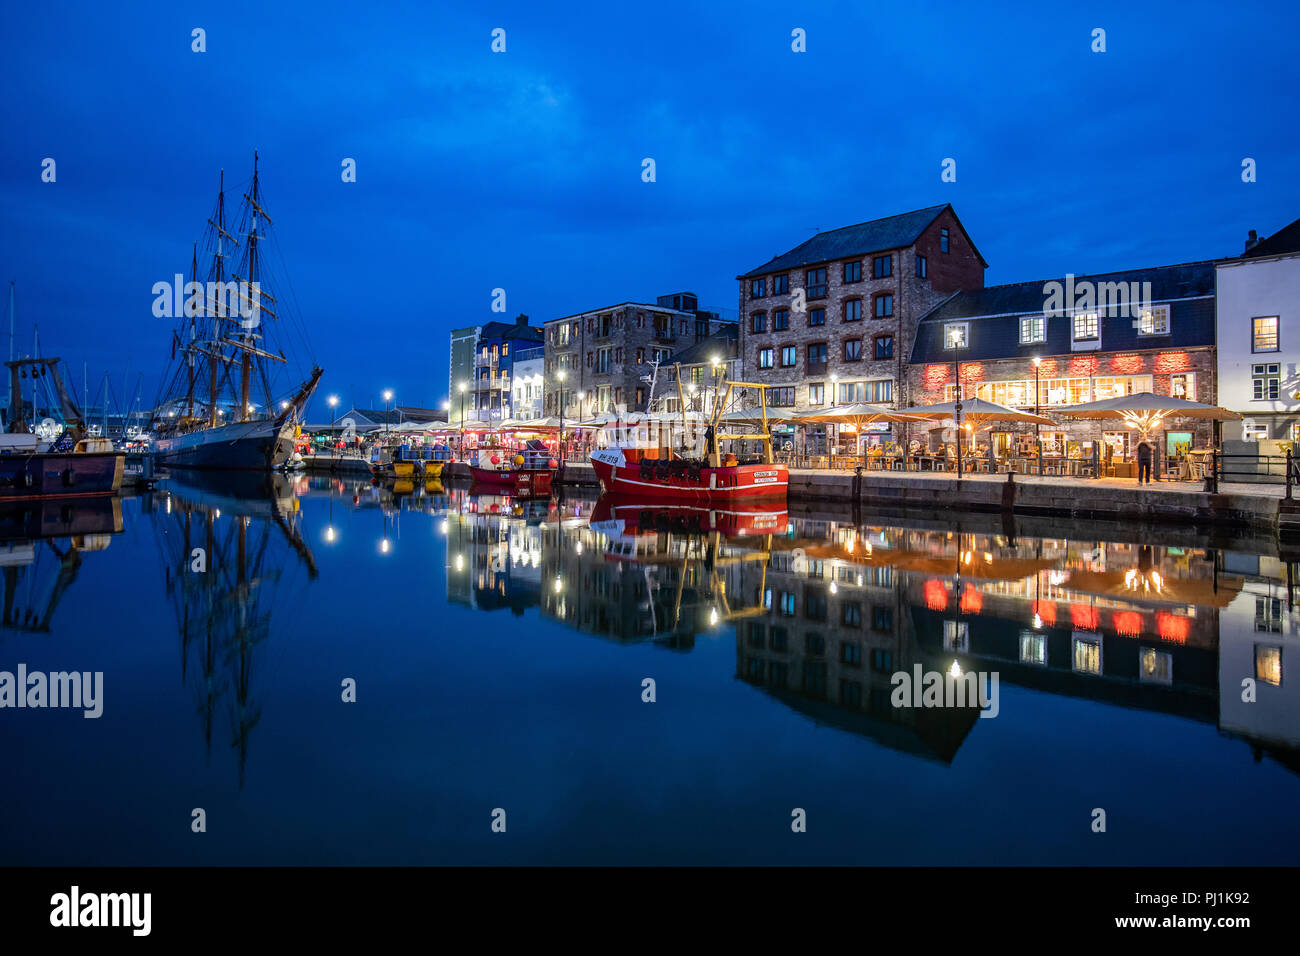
x=495 y=459
x=553 y=463
x=519 y=460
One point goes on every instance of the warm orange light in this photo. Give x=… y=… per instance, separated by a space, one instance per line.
x=1084 y=617
x=936 y=376
x=1046 y=612
x=1082 y=366
x=1172 y=628
x=936 y=595
x=1126 y=364
x=1128 y=623
x=972 y=601
x=1167 y=362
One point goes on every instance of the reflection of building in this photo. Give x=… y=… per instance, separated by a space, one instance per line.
x=494 y=555
x=1259 y=639
x=833 y=634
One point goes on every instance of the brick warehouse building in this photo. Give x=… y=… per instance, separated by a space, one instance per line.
x=1085 y=354
x=865 y=287
x=606 y=354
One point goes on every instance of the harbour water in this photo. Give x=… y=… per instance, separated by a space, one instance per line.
x=501 y=652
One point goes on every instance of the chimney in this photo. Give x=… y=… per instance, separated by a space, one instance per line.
x=1252 y=240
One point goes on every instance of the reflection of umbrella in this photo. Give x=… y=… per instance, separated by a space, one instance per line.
x=1151 y=586
x=1144 y=411
x=993 y=569
x=976 y=412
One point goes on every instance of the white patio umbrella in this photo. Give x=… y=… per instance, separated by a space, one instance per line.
x=1145 y=411
x=975 y=411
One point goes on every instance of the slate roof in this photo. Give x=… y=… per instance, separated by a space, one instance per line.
x=722 y=342
x=510 y=330
x=995 y=313
x=892 y=232
x=1285 y=240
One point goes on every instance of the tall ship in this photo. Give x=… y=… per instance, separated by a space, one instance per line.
x=229 y=399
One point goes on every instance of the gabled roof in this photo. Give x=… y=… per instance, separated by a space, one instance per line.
x=1025 y=298
x=510 y=330
x=1285 y=240
x=722 y=342
x=996 y=311
x=892 y=232
x=619 y=305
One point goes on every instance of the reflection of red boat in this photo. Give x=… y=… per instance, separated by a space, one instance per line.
x=519 y=482
x=626 y=516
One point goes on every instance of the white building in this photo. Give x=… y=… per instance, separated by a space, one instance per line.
x=1258 y=332
x=528 y=386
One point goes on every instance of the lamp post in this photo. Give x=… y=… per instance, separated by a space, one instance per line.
x=1038 y=441
x=835 y=387
x=956 y=340
x=561 y=375
x=463 y=386
x=388 y=398
x=716 y=362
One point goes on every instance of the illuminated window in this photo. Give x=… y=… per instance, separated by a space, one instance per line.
x=1085 y=327
x=1033 y=648
x=1268 y=664
x=1087 y=655
x=1264 y=334
x=956 y=636
x=1155 y=667
x=1033 y=328
x=956 y=335
x=1183 y=386
x=1154 y=321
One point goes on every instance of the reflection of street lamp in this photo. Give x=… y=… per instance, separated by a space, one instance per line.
x=463 y=386
x=561 y=375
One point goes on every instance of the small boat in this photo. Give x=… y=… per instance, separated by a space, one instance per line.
x=498 y=472
x=646 y=469
x=69 y=465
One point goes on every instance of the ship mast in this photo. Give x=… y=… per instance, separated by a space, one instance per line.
x=246 y=365
x=219 y=267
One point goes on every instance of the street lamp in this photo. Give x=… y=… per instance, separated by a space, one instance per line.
x=388 y=397
x=1038 y=441
x=834 y=388
x=561 y=375
x=956 y=340
x=716 y=361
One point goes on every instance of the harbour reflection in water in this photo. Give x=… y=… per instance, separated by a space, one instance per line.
x=499 y=650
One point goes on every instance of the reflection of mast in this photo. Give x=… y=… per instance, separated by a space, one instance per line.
x=224 y=610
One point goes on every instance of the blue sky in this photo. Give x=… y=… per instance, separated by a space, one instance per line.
x=522 y=170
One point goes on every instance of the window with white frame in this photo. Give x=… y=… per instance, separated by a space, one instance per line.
x=1265 y=382
x=956 y=335
x=1263 y=333
x=956 y=636
x=1033 y=648
x=1183 y=386
x=1086 y=327
x=1154 y=321
x=1033 y=328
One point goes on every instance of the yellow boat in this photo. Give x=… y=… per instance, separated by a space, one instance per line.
x=432 y=469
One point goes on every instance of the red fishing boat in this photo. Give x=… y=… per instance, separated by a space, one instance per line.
x=519 y=476
x=655 y=471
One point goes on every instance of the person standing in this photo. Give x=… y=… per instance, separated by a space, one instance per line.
x=1144 y=454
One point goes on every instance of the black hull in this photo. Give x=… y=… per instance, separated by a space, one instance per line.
x=247 y=446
